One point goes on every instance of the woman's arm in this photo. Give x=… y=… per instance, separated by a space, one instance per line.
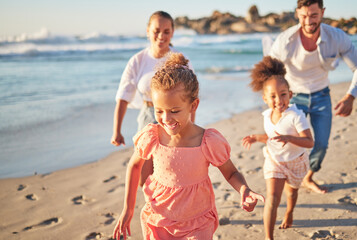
x=131 y=186
x=304 y=139
x=119 y=113
x=248 y=198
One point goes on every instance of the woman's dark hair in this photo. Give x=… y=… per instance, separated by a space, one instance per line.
x=164 y=15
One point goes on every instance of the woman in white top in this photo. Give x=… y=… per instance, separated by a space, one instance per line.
x=134 y=89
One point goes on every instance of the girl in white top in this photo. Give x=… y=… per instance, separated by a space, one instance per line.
x=287 y=137
x=134 y=89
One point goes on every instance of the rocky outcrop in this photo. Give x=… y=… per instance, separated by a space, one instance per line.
x=349 y=26
x=225 y=23
x=219 y=23
x=253 y=15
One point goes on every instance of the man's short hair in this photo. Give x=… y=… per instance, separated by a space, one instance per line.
x=306 y=3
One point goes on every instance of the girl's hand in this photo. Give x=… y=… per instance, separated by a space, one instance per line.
x=249 y=199
x=123 y=225
x=281 y=138
x=248 y=141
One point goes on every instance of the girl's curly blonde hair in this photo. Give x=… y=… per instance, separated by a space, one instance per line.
x=266 y=69
x=174 y=72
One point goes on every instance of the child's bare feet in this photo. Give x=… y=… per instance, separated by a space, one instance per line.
x=313 y=186
x=287 y=222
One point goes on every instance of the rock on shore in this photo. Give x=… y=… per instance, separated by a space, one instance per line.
x=226 y=23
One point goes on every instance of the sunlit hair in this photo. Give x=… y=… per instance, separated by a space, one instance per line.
x=265 y=70
x=306 y=3
x=175 y=72
x=162 y=14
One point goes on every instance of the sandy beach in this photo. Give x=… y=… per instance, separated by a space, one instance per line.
x=84 y=202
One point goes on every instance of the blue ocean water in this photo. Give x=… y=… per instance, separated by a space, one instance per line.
x=57 y=92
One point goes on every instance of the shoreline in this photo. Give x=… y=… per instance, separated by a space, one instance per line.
x=83 y=135
x=84 y=202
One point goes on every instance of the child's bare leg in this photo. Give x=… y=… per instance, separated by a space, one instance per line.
x=275 y=188
x=291 y=198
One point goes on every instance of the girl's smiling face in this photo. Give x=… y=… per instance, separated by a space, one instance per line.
x=276 y=94
x=173 y=109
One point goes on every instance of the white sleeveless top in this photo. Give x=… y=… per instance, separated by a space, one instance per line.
x=304 y=71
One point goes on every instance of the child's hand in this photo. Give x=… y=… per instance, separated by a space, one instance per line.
x=281 y=138
x=123 y=225
x=248 y=141
x=249 y=199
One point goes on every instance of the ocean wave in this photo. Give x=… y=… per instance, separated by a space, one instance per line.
x=30 y=49
x=185 y=32
x=45 y=43
x=44 y=36
x=235 y=69
x=243 y=51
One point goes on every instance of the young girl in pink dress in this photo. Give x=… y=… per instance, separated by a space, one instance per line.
x=180 y=202
x=287 y=137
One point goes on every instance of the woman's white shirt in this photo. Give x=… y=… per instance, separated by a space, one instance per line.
x=134 y=86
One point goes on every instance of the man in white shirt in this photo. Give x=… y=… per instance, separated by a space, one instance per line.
x=309 y=50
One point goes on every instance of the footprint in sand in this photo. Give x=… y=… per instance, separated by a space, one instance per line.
x=21 y=187
x=224 y=221
x=248 y=225
x=217 y=237
x=95 y=235
x=81 y=200
x=31 y=197
x=216 y=185
x=45 y=223
x=347 y=200
x=322 y=234
x=341 y=130
x=126 y=162
x=228 y=197
x=336 y=137
x=110 y=179
x=115 y=188
x=254 y=170
x=240 y=155
x=110 y=217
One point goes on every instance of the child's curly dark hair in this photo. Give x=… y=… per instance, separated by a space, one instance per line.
x=264 y=70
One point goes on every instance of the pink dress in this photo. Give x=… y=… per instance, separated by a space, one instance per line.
x=180 y=202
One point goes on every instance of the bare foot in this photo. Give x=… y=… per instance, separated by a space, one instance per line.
x=287 y=222
x=313 y=186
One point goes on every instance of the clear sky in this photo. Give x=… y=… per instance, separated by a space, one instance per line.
x=131 y=16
